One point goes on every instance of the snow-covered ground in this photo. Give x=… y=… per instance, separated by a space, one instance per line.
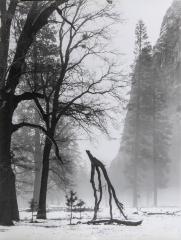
x=154 y=227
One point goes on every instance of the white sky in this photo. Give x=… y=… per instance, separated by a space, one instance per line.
x=152 y=13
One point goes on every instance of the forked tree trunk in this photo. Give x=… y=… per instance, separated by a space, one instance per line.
x=44 y=180
x=8 y=200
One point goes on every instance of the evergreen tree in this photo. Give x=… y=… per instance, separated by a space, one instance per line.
x=146 y=138
x=71 y=200
x=161 y=137
x=141 y=43
x=80 y=205
x=140 y=82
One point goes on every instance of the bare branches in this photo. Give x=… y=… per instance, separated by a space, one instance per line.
x=16 y=127
x=36 y=19
x=66 y=20
x=84 y=38
x=28 y=96
x=74 y=89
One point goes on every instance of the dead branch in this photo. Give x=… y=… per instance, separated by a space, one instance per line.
x=97 y=165
x=119 y=222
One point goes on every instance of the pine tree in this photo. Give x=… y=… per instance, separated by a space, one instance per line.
x=71 y=200
x=141 y=43
x=161 y=137
x=80 y=205
x=147 y=128
x=140 y=82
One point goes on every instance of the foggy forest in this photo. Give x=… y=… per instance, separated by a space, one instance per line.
x=90 y=119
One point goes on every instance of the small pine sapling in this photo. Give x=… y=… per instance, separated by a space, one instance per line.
x=71 y=199
x=33 y=206
x=80 y=205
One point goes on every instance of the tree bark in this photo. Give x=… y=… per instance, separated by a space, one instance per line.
x=38 y=152
x=44 y=180
x=38 y=163
x=8 y=200
x=6 y=16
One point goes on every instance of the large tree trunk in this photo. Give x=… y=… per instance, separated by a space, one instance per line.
x=36 y=19
x=38 y=163
x=44 y=180
x=8 y=200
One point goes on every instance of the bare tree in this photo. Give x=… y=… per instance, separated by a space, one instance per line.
x=68 y=86
x=36 y=18
x=9 y=79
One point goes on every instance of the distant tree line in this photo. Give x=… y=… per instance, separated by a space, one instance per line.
x=147 y=131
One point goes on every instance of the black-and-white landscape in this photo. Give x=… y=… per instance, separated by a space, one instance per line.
x=90 y=119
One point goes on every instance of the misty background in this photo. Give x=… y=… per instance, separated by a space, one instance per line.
x=108 y=148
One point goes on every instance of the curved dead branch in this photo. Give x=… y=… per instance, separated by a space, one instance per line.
x=97 y=166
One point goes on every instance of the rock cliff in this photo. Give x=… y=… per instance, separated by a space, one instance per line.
x=166 y=66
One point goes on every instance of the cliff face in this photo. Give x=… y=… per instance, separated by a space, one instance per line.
x=166 y=66
x=167 y=59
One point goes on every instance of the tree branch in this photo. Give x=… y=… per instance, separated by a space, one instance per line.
x=66 y=20
x=36 y=19
x=28 y=96
x=15 y=127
